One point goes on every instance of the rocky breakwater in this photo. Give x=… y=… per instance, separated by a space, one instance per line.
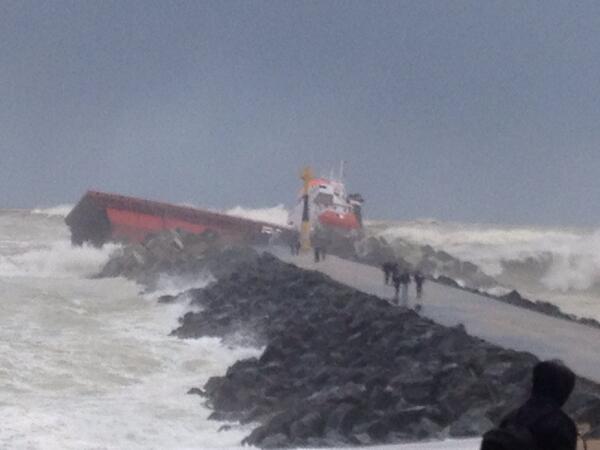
x=176 y=253
x=549 y=309
x=341 y=367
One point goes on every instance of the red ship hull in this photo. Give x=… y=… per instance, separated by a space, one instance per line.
x=344 y=222
x=100 y=217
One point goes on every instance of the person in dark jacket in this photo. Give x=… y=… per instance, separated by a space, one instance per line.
x=541 y=414
x=405 y=281
x=396 y=281
x=390 y=268
x=317 y=253
x=419 y=280
x=387 y=272
x=295 y=246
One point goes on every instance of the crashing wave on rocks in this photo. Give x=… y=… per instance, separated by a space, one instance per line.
x=558 y=265
x=277 y=215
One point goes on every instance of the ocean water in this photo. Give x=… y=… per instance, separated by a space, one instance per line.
x=87 y=363
x=277 y=215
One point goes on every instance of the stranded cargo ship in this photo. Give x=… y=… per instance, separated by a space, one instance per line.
x=101 y=217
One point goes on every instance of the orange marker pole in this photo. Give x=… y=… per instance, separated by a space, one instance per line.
x=305 y=226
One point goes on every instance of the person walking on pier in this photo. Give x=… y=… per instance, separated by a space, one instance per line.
x=387 y=272
x=396 y=282
x=394 y=268
x=419 y=280
x=293 y=248
x=390 y=269
x=539 y=423
x=317 y=251
x=405 y=281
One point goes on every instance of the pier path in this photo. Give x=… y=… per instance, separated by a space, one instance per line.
x=499 y=323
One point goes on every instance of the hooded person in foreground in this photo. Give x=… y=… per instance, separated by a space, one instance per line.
x=540 y=423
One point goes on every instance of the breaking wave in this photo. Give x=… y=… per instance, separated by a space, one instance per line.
x=59 y=210
x=57 y=260
x=174 y=285
x=277 y=215
x=557 y=259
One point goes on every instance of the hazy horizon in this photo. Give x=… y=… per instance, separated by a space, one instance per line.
x=459 y=111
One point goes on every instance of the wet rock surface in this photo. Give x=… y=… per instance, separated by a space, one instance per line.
x=176 y=253
x=340 y=367
x=514 y=298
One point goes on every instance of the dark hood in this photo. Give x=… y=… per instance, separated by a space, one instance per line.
x=553 y=380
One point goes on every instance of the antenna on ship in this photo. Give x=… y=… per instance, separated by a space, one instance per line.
x=342 y=168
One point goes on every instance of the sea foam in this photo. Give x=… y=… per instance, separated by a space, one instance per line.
x=562 y=259
x=57 y=260
x=277 y=215
x=58 y=210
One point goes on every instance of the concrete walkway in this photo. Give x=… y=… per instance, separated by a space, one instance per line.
x=502 y=324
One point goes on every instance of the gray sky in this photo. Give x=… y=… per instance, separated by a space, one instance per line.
x=470 y=111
